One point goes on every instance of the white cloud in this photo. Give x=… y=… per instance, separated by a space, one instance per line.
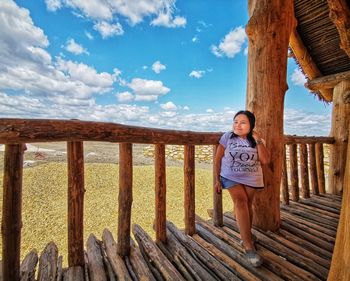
x=186 y=108
x=168 y=114
x=89 y=35
x=125 y=96
x=147 y=90
x=168 y=106
x=197 y=73
x=298 y=78
x=209 y=110
x=28 y=68
x=108 y=29
x=231 y=44
x=75 y=48
x=195 y=39
x=158 y=67
x=160 y=12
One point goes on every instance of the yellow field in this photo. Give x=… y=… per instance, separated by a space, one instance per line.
x=45 y=201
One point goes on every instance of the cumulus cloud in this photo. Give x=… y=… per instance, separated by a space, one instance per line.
x=298 y=78
x=104 y=13
x=158 y=67
x=75 y=48
x=28 y=67
x=168 y=106
x=108 y=29
x=197 y=73
x=89 y=35
x=232 y=44
x=147 y=90
x=125 y=97
x=209 y=110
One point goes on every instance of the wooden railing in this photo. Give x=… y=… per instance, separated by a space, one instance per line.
x=14 y=133
x=307 y=153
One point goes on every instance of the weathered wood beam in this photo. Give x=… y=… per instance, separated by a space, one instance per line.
x=12 y=211
x=327 y=82
x=217 y=198
x=76 y=190
x=339 y=13
x=268 y=30
x=189 y=185
x=306 y=62
x=288 y=139
x=124 y=198
x=31 y=130
x=160 y=185
x=340 y=270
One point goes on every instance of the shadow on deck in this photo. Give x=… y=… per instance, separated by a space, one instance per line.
x=302 y=250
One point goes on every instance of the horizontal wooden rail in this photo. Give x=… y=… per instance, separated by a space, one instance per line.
x=288 y=139
x=25 y=130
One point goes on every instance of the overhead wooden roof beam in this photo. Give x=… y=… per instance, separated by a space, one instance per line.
x=339 y=13
x=307 y=64
x=327 y=82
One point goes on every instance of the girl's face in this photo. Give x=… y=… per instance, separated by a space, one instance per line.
x=241 y=125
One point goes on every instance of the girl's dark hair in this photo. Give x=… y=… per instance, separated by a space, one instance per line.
x=251 y=119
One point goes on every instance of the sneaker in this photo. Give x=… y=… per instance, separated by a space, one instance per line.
x=253 y=258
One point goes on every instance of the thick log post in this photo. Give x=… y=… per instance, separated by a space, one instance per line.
x=304 y=171
x=124 y=198
x=76 y=192
x=268 y=30
x=313 y=169
x=12 y=211
x=285 y=192
x=294 y=176
x=189 y=190
x=340 y=269
x=320 y=168
x=339 y=130
x=218 y=214
x=160 y=182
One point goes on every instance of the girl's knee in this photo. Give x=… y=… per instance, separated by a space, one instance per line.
x=241 y=202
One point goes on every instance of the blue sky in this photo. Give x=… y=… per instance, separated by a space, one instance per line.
x=158 y=63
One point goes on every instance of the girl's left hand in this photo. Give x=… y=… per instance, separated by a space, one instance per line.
x=256 y=135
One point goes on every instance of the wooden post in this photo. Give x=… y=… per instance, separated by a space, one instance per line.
x=160 y=182
x=285 y=192
x=320 y=168
x=294 y=176
x=12 y=211
x=339 y=130
x=189 y=189
x=76 y=192
x=217 y=210
x=304 y=171
x=313 y=169
x=340 y=269
x=269 y=28
x=124 y=198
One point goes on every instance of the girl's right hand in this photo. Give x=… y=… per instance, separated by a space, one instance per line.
x=218 y=187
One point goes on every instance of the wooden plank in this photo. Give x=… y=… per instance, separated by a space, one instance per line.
x=95 y=259
x=75 y=273
x=76 y=190
x=116 y=261
x=308 y=269
x=160 y=261
x=206 y=258
x=28 y=266
x=160 y=185
x=12 y=211
x=189 y=185
x=124 y=198
x=288 y=139
x=48 y=263
x=316 y=209
x=139 y=265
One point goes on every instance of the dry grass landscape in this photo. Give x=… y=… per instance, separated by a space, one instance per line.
x=45 y=192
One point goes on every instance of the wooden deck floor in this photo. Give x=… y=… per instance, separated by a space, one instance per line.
x=302 y=250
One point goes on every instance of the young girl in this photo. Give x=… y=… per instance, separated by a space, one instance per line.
x=238 y=169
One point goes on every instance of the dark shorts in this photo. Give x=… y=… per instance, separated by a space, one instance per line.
x=226 y=183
